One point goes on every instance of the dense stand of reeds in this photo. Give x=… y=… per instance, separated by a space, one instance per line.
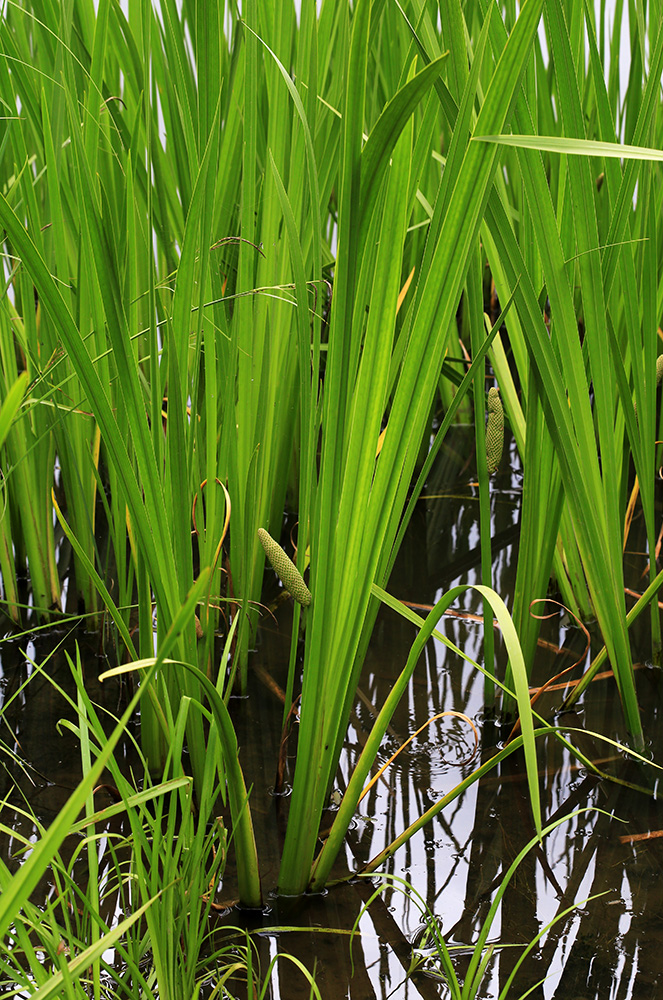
x=236 y=250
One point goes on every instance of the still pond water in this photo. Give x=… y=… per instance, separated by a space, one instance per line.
x=609 y=948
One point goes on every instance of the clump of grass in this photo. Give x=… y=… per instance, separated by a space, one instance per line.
x=136 y=885
x=180 y=189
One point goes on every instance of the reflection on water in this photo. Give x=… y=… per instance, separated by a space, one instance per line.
x=607 y=948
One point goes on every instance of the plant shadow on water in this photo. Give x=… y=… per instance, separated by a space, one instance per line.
x=606 y=947
x=458 y=861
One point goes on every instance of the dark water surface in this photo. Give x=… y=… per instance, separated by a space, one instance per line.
x=606 y=949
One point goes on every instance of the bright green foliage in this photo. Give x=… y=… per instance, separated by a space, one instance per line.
x=360 y=497
x=574 y=448
x=237 y=250
x=164 y=873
